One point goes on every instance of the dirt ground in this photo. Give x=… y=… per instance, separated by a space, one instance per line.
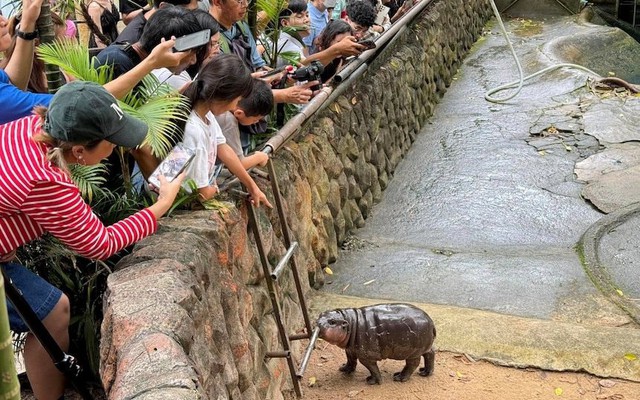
x=456 y=377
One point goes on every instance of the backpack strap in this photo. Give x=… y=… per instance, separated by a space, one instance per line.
x=242 y=29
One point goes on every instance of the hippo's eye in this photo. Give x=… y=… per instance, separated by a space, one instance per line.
x=331 y=321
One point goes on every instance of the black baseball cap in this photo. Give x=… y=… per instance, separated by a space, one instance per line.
x=84 y=111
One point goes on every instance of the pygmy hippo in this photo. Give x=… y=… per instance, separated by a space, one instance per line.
x=373 y=333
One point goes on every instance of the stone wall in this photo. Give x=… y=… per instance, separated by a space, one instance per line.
x=188 y=316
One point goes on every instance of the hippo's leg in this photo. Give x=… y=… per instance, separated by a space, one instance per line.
x=429 y=360
x=410 y=366
x=350 y=366
x=372 y=366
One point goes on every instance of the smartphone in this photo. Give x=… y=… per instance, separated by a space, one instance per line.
x=176 y=161
x=368 y=43
x=273 y=72
x=193 y=40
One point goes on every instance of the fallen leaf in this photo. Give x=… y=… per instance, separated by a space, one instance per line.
x=542 y=152
x=312 y=381
x=354 y=101
x=369 y=282
x=620 y=293
x=630 y=357
x=336 y=108
x=611 y=73
x=607 y=383
x=558 y=391
x=328 y=271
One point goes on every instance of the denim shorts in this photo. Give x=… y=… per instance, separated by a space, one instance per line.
x=40 y=294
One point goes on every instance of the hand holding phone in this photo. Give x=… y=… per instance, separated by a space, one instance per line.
x=193 y=40
x=273 y=72
x=367 y=43
x=173 y=165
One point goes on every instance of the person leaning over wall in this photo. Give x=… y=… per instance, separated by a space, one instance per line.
x=132 y=32
x=236 y=38
x=335 y=31
x=361 y=16
x=15 y=103
x=82 y=125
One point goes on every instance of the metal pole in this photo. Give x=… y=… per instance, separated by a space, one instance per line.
x=286 y=236
x=284 y=339
x=277 y=271
x=307 y=355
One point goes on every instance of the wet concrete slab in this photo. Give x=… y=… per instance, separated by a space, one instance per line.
x=485 y=211
x=621 y=252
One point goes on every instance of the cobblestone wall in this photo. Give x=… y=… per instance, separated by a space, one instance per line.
x=187 y=315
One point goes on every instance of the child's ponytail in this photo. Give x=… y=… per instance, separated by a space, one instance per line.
x=224 y=78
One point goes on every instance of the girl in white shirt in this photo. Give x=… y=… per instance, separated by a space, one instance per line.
x=219 y=86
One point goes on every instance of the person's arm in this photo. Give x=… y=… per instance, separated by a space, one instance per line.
x=58 y=208
x=19 y=66
x=161 y=56
x=95 y=12
x=345 y=48
x=17 y=103
x=232 y=162
x=297 y=94
x=207 y=192
x=128 y=17
x=257 y=158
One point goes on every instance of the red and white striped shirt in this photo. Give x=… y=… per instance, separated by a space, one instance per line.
x=38 y=197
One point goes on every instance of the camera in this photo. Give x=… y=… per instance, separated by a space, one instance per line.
x=311 y=72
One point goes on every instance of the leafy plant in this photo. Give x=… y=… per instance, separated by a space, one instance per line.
x=270 y=11
x=88 y=178
x=157 y=104
x=81 y=279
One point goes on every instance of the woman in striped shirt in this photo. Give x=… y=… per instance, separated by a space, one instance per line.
x=82 y=125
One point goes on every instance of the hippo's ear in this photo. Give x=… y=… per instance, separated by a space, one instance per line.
x=343 y=324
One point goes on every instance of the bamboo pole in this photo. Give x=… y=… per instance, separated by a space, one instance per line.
x=9 y=386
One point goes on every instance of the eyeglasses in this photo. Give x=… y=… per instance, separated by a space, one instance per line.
x=244 y=2
x=360 y=29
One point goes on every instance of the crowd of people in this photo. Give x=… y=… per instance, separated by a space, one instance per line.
x=230 y=92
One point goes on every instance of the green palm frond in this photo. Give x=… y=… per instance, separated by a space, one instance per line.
x=272 y=10
x=88 y=178
x=149 y=87
x=160 y=107
x=73 y=59
x=291 y=57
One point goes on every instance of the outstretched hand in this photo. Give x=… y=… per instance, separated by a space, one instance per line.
x=348 y=46
x=258 y=197
x=163 y=56
x=30 y=13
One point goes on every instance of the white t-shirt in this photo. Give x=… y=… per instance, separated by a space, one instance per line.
x=203 y=137
x=230 y=130
x=168 y=77
x=287 y=43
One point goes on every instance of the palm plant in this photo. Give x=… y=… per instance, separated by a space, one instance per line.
x=157 y=104
x=270 y=11
x=84 y=280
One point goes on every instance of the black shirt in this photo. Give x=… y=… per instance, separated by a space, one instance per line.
x=132 y=32
x=127 y=6
x=122 y=57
